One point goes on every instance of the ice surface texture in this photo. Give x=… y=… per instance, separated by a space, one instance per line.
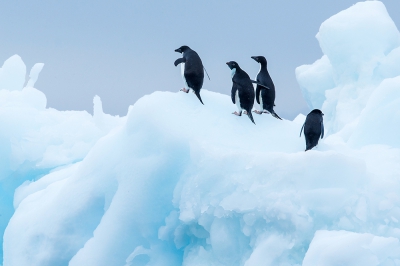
x=188 y=184
x=361 y=48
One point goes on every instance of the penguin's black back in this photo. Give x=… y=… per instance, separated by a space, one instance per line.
x=313 y=128
x=267 y=95
x=245 y=89
x=194 y=70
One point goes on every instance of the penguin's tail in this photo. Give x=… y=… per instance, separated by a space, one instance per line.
x=275 y=115
x=198 y=96
x=250 y=116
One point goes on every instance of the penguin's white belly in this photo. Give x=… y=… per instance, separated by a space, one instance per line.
x=255 y=86
x=183 y=76
x=183 y=70
x=237 y=101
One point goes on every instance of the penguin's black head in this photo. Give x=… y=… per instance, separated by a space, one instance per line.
x=232 y=64
x=182 y=49
x=260 y=59
x=317 y=111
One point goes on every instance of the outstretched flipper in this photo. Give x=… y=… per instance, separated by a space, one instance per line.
x=255 y=82
x=179 y=60
x=302 y=128
x=258 y=90
x=198 y=96
x=322 y=129
x=206 y=73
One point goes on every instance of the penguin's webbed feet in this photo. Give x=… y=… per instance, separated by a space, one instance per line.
x=184 y=90
x=257 y=112
x=236 y=113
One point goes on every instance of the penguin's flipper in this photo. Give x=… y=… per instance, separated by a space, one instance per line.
x=233 y=93
x=206 y=73
x=302 y=128
x=258 y=90
x=250 y=116
x=276 y=116
x=198 y=95
x=179 y=60
x=255 y=82
x=322 y=129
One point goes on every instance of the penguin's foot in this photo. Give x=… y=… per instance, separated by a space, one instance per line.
x=257 y=112
x=184 y=90
x=236 y=113
x=245 y=112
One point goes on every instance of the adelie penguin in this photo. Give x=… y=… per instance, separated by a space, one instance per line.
x=192 y=70
x=242 y=90
x=265 y=95
x=313 y=128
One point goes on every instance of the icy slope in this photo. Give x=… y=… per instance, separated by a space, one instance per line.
x=35 y=139
x=187 y=184
x=196 y=186
x=361 y=47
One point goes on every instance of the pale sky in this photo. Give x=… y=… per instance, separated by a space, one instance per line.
x=122 y=50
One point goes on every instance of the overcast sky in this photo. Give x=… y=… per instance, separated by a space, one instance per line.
x=122 y=50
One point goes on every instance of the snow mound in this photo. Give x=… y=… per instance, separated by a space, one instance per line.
x=361 y=47
x=192 y=184
x=34 y=139
x=12 y=74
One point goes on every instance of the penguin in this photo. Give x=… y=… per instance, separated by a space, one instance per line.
x=242 y=90
x=313 y=128
x=192 y=70
x=267 y=93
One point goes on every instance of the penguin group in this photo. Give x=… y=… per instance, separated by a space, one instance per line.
x=243 y=94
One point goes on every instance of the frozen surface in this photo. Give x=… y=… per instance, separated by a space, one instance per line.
x=35 y=140
x=12 y=74
x=361 y=48
x=189 y=184
x=330 y=248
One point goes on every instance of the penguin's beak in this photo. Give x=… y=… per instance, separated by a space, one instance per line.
x=178 y=50
x=255 y=58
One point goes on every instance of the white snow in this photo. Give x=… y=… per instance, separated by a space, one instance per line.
x=192 y=184
x=12 y=74
x=331 y=248
x=360 y=47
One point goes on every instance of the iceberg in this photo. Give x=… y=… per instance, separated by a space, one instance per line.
x=187 y=184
